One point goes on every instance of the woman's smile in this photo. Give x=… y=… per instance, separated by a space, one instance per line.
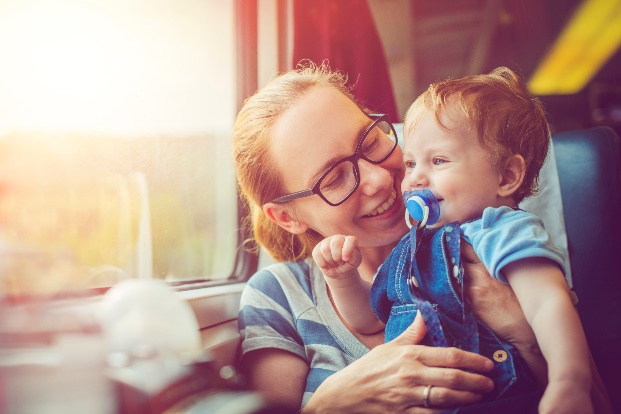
x=385 y=206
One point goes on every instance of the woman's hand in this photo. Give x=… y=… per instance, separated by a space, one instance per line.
x=393 y=377
x=495 y=304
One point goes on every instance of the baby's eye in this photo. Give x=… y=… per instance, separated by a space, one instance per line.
x=410 y=164
x=439 y=161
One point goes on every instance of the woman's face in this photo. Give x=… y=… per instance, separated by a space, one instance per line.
x=321 y=128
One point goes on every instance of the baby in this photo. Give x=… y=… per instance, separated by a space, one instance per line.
x=473 y=150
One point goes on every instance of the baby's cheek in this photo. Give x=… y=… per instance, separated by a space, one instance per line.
x=405 y=183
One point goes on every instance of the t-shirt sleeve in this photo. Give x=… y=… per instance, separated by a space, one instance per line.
x=504 y=235
x=265 y=318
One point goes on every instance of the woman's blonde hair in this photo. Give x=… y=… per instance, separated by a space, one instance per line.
x=507 y=119
x=259 y=180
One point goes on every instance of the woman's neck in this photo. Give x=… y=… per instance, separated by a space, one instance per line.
x=372 y=258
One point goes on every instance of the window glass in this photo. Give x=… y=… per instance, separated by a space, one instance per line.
x=115 y=142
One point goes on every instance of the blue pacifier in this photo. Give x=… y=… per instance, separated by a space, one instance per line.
x=422 y=206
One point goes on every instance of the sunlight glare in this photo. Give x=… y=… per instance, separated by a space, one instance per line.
x=120 y=67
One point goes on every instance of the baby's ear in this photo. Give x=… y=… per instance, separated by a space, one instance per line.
x=512 y=175
x=281 y=216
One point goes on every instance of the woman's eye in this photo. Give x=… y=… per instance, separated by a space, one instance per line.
x=370 y=144
x=333 y=180
x=439 y=161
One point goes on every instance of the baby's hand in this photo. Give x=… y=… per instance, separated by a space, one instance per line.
x=338 y=256
x=566 y=397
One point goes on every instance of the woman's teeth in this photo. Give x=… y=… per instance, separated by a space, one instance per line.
x=385 y=206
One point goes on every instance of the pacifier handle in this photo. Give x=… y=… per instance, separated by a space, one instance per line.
x=416 y=209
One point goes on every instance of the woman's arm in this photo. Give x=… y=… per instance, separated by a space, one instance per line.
x=278 y=375
x=392 y=378
x=507 y=321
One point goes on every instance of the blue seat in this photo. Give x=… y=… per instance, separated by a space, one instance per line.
x=590 y=180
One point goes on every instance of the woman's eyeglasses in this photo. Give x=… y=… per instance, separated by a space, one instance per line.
x=340 y=181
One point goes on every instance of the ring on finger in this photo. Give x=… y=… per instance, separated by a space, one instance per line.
x=426 y=393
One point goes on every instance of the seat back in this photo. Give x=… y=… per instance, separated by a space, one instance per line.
x=590 y=180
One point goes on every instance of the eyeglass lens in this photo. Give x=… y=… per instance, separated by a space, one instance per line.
x=341 y=179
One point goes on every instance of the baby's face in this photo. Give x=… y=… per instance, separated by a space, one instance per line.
x=453 y=165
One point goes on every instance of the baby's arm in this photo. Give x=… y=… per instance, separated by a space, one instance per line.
x=338 y=257
x=544 y=296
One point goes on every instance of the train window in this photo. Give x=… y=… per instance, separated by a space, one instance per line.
x=115 y=122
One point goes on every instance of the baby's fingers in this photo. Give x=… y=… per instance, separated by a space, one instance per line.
x=336 y=249
x=327 y=253
x=351 y=253
x=322 y=255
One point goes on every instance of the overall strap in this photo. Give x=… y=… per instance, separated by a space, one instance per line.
x=452 y=239
x=432 y=322
x=446 y=241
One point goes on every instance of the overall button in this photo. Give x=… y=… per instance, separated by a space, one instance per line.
x=412 y=283
x=500 y=356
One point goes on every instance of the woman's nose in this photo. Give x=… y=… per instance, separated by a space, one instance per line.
x=373 y=177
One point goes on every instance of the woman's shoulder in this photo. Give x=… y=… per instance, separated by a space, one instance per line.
x=290 y=291
x=285 y=277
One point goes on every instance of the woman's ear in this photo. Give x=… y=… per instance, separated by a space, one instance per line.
x=512 y=175
x=280 y=215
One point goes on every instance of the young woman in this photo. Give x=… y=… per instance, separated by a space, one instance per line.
x=292 y=140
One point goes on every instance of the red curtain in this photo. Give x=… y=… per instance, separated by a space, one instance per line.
x=343 y=33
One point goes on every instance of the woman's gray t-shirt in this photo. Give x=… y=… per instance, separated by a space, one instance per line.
x=286 y=306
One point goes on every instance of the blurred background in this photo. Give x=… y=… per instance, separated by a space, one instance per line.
x=568 y=50
x=115 y=121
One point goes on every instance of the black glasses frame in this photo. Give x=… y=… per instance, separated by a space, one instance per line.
x=352 y=158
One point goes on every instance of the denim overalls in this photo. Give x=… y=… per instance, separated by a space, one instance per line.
x=404 y=285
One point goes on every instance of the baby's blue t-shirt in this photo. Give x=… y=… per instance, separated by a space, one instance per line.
x=503 y=235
